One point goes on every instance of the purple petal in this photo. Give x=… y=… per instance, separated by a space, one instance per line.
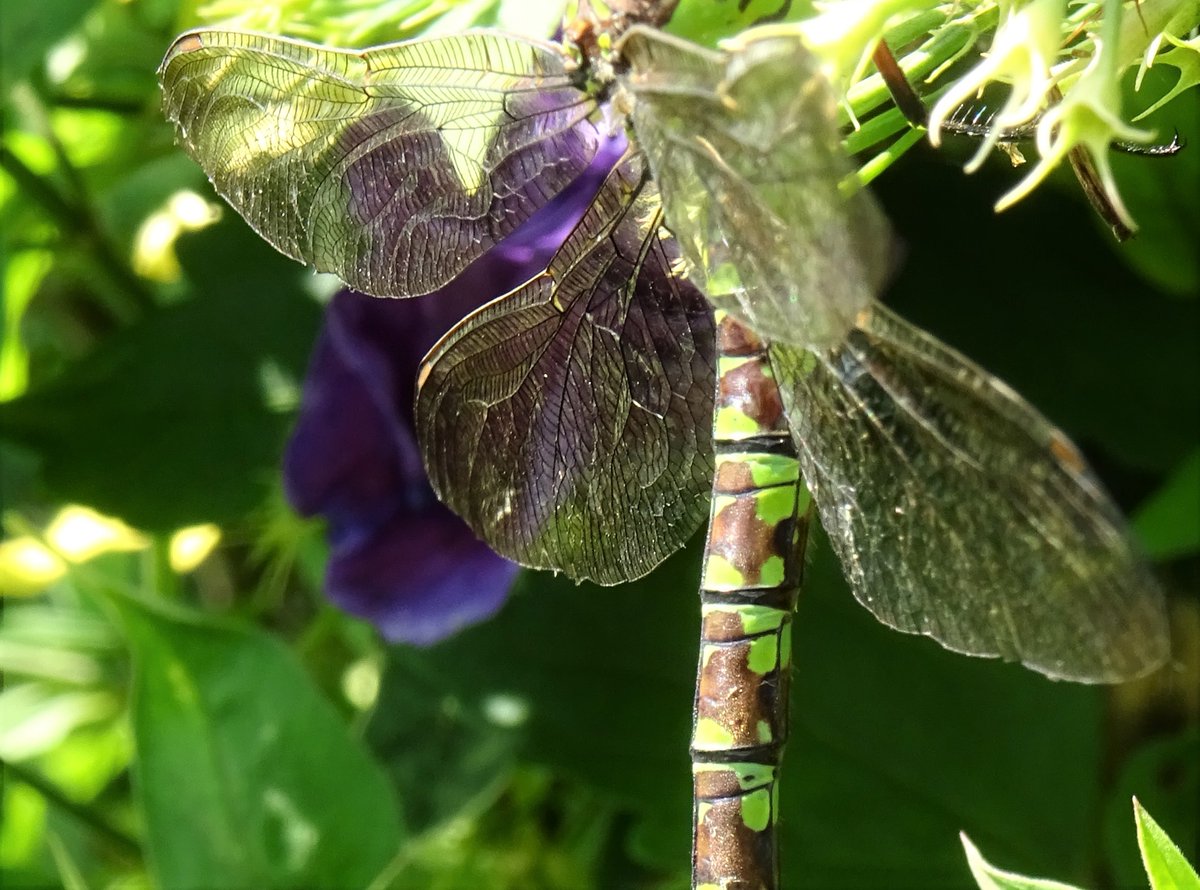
x=399 y=558
x=418 y=581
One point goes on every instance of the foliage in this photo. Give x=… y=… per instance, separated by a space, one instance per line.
x=1164 y=863
x=182 y=707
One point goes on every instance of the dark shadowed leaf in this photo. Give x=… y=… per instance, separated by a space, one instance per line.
x=172 y=421
x=595 y=681
x=1164 y=773
x=988 y=877
x=1169 y=523
x=897 y=744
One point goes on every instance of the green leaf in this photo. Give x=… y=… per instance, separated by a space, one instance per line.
x=706 y=23
x=444 y=756
x=28 y=30
x=988 y=877
x=246 y=775
x=1158 y=191
x=68 y=871
x=24 y=271
x=1169 y=522
x=1165 y=865
x=353 y=23
x=38 y=716
x=513 y=16
x=594 y=681
x=897 y=744
x=112 y=56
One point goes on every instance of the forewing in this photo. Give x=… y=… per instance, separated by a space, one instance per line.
x=393 y=167
x=745 y=148
x=961 y=513
x=569 y=421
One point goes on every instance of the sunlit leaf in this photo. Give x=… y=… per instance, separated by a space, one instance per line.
x=225 y=771
x=1165 y=864
x=22 y=274
x=706 y=23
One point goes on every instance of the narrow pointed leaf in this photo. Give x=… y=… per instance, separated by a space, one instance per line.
x=1165 y=864
x=988 y=877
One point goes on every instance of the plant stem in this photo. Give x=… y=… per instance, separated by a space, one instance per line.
x=85 y=814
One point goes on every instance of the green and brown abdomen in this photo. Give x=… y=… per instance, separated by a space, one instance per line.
x=752 y=571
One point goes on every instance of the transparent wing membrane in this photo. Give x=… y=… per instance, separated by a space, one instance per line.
x=393 y=167
x=960 y=513
x=568 y=422
x=745 y=148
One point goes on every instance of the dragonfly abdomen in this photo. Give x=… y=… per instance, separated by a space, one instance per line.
x=753 y=564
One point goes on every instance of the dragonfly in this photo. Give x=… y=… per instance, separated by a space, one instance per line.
x=707 y=343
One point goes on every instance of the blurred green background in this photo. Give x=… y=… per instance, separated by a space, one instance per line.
x=181 y=707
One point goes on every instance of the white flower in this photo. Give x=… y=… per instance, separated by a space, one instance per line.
x=1089 y=115
x=1023 y=54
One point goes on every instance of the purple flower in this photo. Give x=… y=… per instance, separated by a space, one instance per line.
x=398 y=557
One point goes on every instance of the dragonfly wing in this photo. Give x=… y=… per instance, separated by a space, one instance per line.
x=961 y=513
x=745 y=148
x=568 y=422
x=393 y=167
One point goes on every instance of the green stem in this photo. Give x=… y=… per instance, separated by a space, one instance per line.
x=124 y=293
x=884 y=159
x=119 y=289
x=1110 y=39
x=127 y=844
x=37 y=189
x=120 y=106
